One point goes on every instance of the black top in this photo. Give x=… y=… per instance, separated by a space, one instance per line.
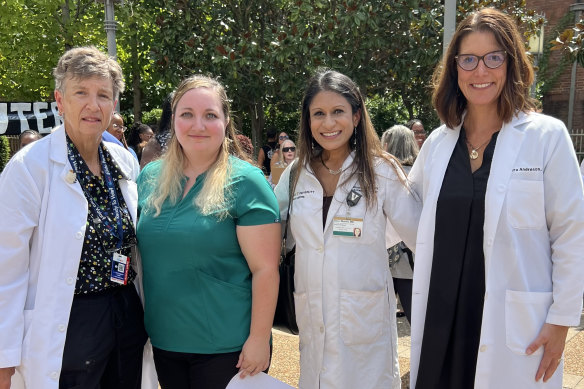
x=95 y=263
x=457 y=281
x=269 y=150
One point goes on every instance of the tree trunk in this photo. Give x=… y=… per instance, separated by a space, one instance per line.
x=256 y=114
x=137 y=103
x=65 y=25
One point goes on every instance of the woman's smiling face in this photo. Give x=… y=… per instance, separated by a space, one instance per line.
x=481 y=86
x=332 y=120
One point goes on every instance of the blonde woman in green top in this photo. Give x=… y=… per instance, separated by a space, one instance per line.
x=209 y=239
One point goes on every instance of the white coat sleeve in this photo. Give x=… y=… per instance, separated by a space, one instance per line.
x=19 y=210
x=564 y=209
x=402 y=206
x=281 y=191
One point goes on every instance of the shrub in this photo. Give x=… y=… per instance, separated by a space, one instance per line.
x=4 y=152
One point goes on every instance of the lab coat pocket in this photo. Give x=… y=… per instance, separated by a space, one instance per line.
x=525 y=314
x=362 y=316
x=525 y=204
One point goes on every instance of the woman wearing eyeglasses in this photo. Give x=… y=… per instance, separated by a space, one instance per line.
x=499 y=268
x=287 y=155
x=277 y=154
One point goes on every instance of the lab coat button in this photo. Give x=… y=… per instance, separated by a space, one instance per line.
x=62 y=327
x=490 y=242
x=69 y=280
x=321 y=329
x=483 y=348
x=501 y=188
x=319 y=249
x=79 y=235
x=54 y=375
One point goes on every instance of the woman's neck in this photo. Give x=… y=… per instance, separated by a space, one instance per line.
x=89 y=150
x=335 y=157
x=196 y=164
x=482 y=120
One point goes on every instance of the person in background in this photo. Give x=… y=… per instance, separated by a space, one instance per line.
x=287 y=155
x=27 y=137
x=159 y=142
x=116 y=128
x=499 y=268
x=140 y=134
x=400 y=142
x=71 y=314
x=266 y=153
x=246 y=145
x=209 y=236
x=418 y=128
x=277 y=156
x=344 y=189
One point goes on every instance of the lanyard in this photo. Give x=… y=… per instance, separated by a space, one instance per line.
x=116 y=230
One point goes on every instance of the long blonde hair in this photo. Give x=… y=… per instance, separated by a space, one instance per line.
x=213 y=197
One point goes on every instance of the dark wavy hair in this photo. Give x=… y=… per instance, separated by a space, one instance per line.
x=364 y=140
x=447 y=98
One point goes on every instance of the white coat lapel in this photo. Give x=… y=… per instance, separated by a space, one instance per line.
x=439 y=161
x=342 y=189
x=58 y=154
x=506 y=151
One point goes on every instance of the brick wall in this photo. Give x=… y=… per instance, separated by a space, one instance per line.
x=555 y=103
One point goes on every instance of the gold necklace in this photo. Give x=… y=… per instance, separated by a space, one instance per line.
x=333 y=172
x=474 y=152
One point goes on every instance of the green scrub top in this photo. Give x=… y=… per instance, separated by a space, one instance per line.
x=197 y=284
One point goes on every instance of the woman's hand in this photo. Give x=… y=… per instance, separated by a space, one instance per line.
x=553 y=340
x=6 y=374
x=254 y=357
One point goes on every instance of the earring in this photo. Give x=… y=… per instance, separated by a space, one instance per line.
x=355 y=137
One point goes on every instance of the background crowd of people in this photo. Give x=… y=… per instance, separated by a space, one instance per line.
x=129 y=264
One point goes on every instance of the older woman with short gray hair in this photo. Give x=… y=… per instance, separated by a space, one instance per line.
x=71 y=314
x=400 y=142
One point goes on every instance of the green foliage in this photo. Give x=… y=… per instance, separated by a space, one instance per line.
x=386 y=113
x=152 y=116
x=263 y=51
x=571 y=40
x=4 y=152
x=547 y=77
x=34 y=35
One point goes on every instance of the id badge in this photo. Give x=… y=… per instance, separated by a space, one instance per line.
x=348 y=226
x=120 y=267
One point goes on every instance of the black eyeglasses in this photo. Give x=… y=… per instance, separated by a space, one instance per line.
x=491 y=60
x=283 y=137
x=286 y=149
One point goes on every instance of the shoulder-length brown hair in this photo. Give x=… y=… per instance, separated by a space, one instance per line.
x=364 y=141
x=447 y=98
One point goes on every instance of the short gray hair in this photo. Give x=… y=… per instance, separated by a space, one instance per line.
x=401 y=143
x=87 y=62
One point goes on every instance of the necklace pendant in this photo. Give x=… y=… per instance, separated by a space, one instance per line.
x=473 y=154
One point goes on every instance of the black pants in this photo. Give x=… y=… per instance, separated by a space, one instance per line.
x=403 y=288
x=192 y=371
x=105 y=341
x=195 y=371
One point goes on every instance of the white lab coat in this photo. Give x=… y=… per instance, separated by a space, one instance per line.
x=533 y=245
x=344 y=299
x=42 y=225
